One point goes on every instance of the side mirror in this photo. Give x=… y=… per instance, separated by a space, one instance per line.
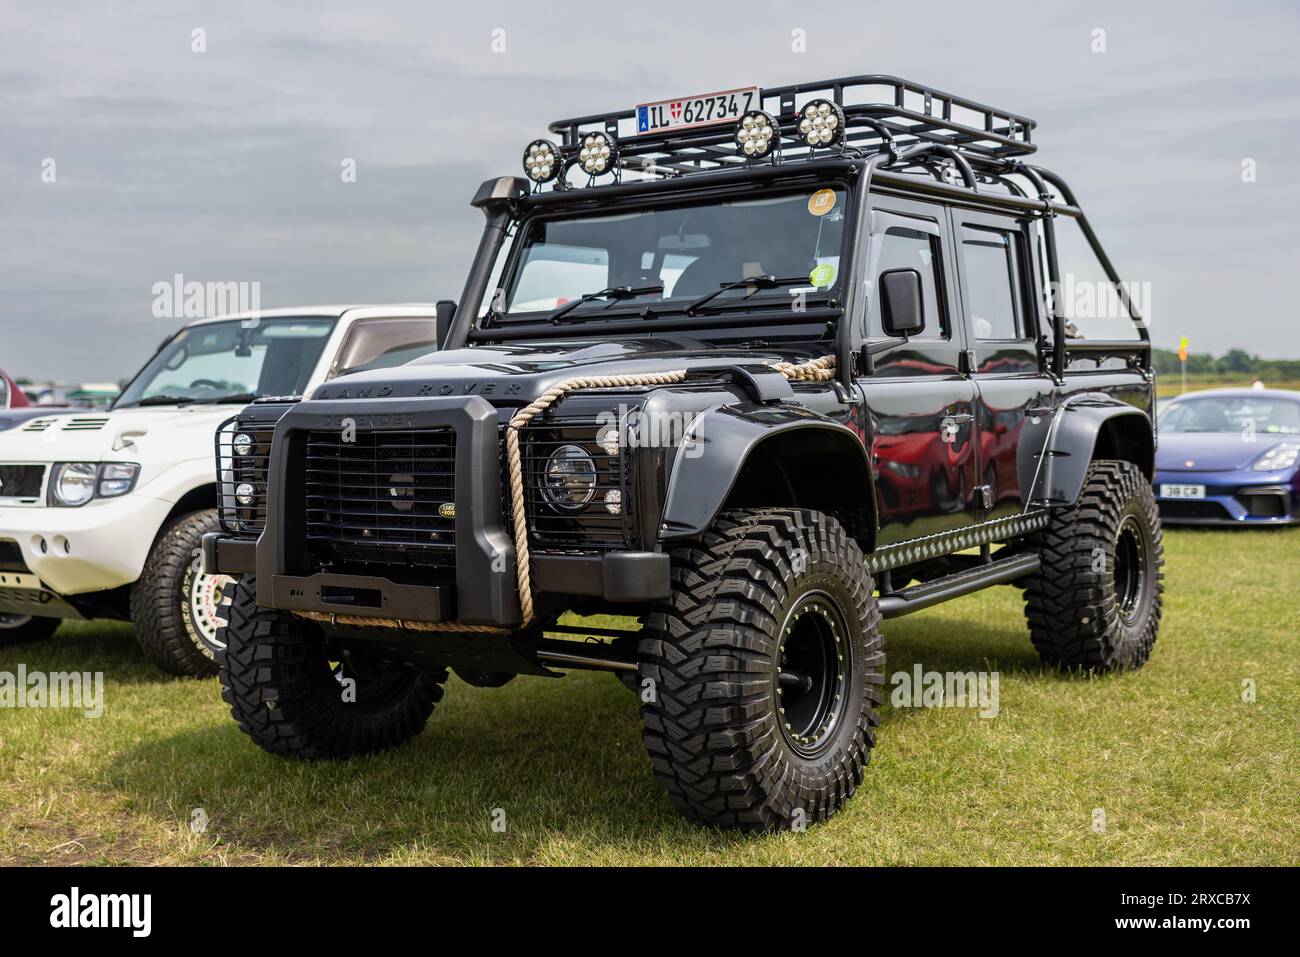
x=446 y=315
x=902 y=311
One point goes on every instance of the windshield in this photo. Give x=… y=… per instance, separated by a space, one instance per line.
x=690 y=251
x=1232 y=414
x=231 y=360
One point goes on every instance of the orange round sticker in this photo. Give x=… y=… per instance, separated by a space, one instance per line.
x=821 y=202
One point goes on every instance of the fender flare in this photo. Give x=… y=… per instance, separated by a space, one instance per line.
x=1082 y=425
x=727 y=436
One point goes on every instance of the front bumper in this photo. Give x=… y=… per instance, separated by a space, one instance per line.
x=97 y=547
x=1229 y=500
x=479 y=587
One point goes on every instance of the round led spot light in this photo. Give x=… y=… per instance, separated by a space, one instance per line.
x=542 y=161
x=756 y=134
x=821 y=123
x=597 y=153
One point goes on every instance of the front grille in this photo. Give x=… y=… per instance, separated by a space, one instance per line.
x=387 y=497
x=1193 y=510
x=11 y=557
x=241 y=478
x=21 y=481
x=591 y=526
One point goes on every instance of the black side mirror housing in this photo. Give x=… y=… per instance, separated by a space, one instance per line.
x=902 y=309
x=446 y=315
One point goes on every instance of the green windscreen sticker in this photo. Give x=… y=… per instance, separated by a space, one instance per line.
x=822 y=275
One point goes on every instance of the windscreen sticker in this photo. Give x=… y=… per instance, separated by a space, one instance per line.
x=821 y=202
x=822 y=276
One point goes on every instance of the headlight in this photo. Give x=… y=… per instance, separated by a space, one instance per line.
x=1279 y=457
x=569 y=481
x=243 y=443
x=75 y=483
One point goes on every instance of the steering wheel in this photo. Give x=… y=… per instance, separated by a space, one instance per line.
x=206 y=383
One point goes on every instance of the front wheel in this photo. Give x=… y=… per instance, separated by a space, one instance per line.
x=296 y=698
x=1095 y=602
x=23 y=629
x=761 y=675
x=174 y=605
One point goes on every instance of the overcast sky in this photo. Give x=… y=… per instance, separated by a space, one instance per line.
x=225 y=165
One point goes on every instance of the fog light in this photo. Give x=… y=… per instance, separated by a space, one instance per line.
x=821 y=123
x=244 y=493
x=614 y=502
x=243 y=444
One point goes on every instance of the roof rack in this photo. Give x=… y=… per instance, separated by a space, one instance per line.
x=880 y=112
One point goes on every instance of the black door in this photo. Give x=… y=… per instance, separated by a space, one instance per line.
x=920 y=407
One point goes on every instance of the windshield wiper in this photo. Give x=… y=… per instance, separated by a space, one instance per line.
x=159 y=400
x=233 y=397
x=759 y=282
x=612 y=292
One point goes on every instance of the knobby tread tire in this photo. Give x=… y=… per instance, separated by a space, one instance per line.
x=159 y=599
x=275 y=676
x=712 y=729
x=1070 y=603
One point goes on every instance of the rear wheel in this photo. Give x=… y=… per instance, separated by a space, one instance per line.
x=22 y=629
x=174 y=605
x=761 y=675
x=1095 y=603
x=296 y=698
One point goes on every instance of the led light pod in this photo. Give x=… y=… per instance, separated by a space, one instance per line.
x=821 y=123
x=542 y=161
x=756 y=134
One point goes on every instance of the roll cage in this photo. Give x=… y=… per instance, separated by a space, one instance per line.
x=898 y=135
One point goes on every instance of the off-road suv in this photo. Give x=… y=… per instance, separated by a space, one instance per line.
x=755 y=371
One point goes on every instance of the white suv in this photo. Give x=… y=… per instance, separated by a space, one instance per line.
x=101 y=513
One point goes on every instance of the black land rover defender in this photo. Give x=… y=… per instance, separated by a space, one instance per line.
x=754 y=371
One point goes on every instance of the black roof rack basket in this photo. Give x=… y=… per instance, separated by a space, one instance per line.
x=877 y=109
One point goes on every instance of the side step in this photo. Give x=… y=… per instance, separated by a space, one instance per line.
x=1000 y=572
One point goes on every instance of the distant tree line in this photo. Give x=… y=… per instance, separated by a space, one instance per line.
x=1232 y=362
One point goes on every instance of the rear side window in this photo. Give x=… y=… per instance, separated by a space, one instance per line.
x=903 y=248
x=989 y=276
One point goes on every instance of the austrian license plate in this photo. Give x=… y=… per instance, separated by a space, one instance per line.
x=1182 y=491
x=692 y=111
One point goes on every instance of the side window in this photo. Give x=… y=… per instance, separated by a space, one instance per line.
x=1089 y=300
x=904 y=248
x=990 y=278
x=383 y=343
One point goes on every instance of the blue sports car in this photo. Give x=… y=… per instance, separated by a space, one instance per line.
x=1229 y=457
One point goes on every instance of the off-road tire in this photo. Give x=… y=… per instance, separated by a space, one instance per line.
x=282 y=690
x=717 y=738
x=14 y=631
x=160 y=599
x=1084 y=611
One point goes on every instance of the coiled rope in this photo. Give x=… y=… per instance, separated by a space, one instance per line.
x=814 y=370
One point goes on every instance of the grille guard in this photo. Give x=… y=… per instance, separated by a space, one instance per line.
x=486 y=590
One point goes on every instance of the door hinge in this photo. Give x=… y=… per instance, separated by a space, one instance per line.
x=984 y=495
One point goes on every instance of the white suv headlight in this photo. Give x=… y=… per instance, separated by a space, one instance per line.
x=1279 y=457
x=75 y=483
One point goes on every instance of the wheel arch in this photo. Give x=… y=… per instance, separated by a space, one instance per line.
x=1088 y=427
x=770 y=458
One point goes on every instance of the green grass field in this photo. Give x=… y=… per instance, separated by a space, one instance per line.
x=1171 y=385
x=1184 y=770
